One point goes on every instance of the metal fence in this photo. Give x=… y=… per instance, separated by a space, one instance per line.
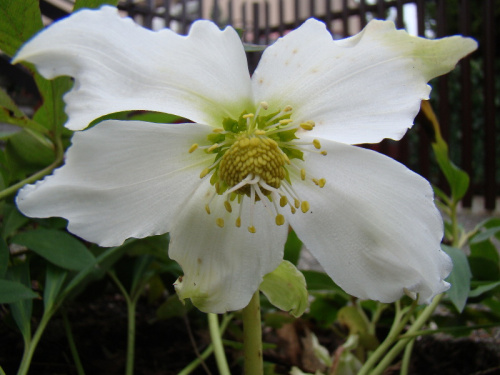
x=467 y=100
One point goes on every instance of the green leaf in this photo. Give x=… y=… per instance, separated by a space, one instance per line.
x=457 y=178
x=172 y=307
x=13 y=291
x=157 y=117
x=54 y=279
x=21 y=310
x=485 y=235
x=483 y=288
x=293 y=246
x=254 y=47
x=12 y=220
x=57 y=247
x=19 y=21
x=92 y=4
x=317 y=281
x=11 y=114
x=459 y=277
x=4 y=258
x=51 y=114
x=484 y=261
x=285 y=288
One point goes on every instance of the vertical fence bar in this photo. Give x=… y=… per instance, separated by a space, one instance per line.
x=466 y=104
x=328 y=15
x=489 y=104
x=281 y=16
x=183 y=19
x=381 y=9
x=345 y=18
x=312 y=8
x=216 y=12
x=362 y=12
x=267 y=21
x=296 y=8
x=166 y=15
x=230 y=11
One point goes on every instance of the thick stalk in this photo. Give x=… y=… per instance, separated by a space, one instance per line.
x=252 y=335
x=216 y=336
x=72 y=345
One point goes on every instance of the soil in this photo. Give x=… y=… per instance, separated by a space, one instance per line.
x=164 y=347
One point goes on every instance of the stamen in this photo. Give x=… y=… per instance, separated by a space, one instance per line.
x=218 y=130
x=238 y=222
x=280 y=219
x=302 y=174
x=321 y=182
x=283 y=201
x=304 y=206
x=323 y=152
x=285 y=122
x=316 y=144
x=248 y=115
x=204 y=172
x=264 y=105
x=252 y=229
x=213 y=147
x=207 y=208
x=193 y=147
x=220 y=222
x=228 y=207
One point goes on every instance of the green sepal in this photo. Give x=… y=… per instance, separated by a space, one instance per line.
x=230 y=125
x=286 y=289
x=216 y=137
x=287 y=136
x=293 y=153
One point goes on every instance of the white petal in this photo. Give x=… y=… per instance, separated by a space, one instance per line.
x=121 y=66
x=223 y=267
x=374 y=226
x=357 y=90
x=121 y=179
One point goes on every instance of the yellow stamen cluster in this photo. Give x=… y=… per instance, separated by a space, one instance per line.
x=259 y=156
x=253 y=158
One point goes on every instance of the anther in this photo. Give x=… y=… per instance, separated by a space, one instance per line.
x=193 y=147
x=238 y=222
x=248 y=115
x=285 y=122
x=260 y=132
x=321 y=182
x=283 y=201
x=228 y=206
x=288 y=108
x=280 y=219
x=316 y=144
x=220 y=222
x=204 y=172
x=304 y=206
x=306 y=126
x=264 y=105
x=213 y=147
x=302 y=174
x=218 y=130
x=252 y=229
x=296 y=203
x=207 y=208
x=323 y=153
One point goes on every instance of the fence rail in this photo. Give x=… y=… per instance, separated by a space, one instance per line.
x=467 y=100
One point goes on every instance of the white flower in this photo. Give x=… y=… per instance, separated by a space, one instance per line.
x=263 y=152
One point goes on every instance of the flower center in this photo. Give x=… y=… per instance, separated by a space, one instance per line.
x=253 y=158
x=253 y=155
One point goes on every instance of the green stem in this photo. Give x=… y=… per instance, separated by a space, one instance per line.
x=72 y=345
x=131 y=306
x=29 y=349
x=401 y=344
x=216 y=336
x=405 y=365
x=252 y=335
x=35 y=177
x=209 y=350
x=400 y=319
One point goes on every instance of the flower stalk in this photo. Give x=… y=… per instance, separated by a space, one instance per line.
x=216 y=336
x=252 y=333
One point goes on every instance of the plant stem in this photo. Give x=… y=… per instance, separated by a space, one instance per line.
x=131 y=305
x=29 y=349
x=400 y=345
x=405 y=364
x=72 y=345
x=215 y=335
x=252 y=334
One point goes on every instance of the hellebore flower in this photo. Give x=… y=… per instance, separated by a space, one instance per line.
x=262 y=152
